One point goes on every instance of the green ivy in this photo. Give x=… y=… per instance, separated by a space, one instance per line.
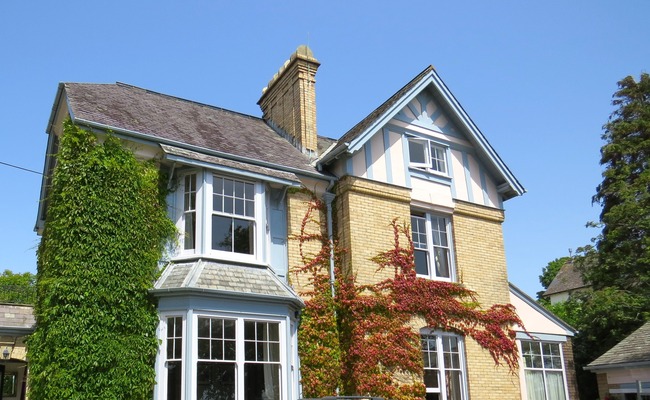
x=105 y=231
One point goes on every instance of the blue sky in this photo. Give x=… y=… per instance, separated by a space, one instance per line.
x=536 y=77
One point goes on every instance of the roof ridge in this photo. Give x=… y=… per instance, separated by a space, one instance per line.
x=128 y=85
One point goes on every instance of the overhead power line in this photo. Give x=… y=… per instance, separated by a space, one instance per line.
x=24 y=169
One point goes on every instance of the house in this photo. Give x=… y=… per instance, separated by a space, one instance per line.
x=567 y=281
x=16 y=323
x=228 y=301
x=623 y=372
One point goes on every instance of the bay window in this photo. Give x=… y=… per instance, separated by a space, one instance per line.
x=444 y=366
x=220 y=217
x=432 y=246
x=543 y=370
x=229 y=357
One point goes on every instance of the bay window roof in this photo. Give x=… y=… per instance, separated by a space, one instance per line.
x=214 y=279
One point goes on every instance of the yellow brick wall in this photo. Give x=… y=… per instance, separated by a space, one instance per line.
x=289 y=102
x=297 y=207
x=364 y=211
x=481 y=265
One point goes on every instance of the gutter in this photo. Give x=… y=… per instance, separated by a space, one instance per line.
x=172 y=292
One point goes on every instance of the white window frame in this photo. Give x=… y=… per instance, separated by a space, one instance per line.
x=239 y=349
x=203 y=214
x=544 y=369
x=430 y=149
x=161 y=369
x=259 y=220
x=426 y=222
x=459 y=365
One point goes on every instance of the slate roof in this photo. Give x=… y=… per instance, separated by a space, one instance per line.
x=634 y=349
x=130 y=109
x=16 y=318
x=232 y=280
x=568 y=278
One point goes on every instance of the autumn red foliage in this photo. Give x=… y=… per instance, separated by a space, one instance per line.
x=361 y=340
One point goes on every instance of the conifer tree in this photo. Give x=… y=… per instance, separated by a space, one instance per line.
x=624 y=246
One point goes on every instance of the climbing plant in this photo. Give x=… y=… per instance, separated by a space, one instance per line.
x=378 y=349
x=105 y=231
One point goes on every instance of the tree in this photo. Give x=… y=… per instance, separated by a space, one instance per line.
x=624 y=193
x=105 y=231
x=17 y=288
x=618 y=267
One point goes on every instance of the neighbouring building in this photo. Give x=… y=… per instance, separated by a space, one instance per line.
x=623 y=372
x=228 y=301
x=16 y=323
x=567 y=282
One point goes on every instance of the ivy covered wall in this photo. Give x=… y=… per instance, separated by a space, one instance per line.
x=105 y=231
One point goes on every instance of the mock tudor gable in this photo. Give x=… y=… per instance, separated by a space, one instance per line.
x=396 y=142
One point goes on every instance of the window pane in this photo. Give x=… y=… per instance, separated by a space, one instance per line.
x=442 y=262
x=204 y=327
x=221 y=233
x=229 y=329
x=239 y=207
x=438 y=159
x=217 y=203
x=274 y=352
x=204 y=349
x=249 y=330
x=249 y=351
x=229 y=350
x=189 y=241
x=243 y=236
x=215 y=381
x=178 y=326
x=239 y=190
x=555 y=385
x=174 y=380
x=274 y=332
x=421 y=262
x=217 y=328
x=417 y=152
x=250 y=208
x=431 y=378
x=453 y=381
x=261 y=381
x=228 y=187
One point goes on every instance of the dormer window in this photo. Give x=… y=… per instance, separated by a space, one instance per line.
x=427 y=154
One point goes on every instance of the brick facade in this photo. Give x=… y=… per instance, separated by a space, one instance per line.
x=481 y=265
x=364 y=211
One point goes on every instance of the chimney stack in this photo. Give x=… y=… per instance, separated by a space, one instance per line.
x=288 y=103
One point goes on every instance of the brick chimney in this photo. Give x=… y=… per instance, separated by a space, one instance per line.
x=288 y=103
